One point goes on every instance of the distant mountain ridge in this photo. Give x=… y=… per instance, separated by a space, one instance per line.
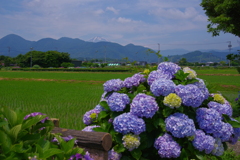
x=13 y=45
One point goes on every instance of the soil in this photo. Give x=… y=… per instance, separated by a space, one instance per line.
x=235 y=147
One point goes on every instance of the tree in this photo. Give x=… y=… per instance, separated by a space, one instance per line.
x=223 y=16
x=183 y=62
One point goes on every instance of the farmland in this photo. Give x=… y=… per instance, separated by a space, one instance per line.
x=68 y=96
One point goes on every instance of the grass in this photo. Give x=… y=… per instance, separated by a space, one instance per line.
x=66 y=101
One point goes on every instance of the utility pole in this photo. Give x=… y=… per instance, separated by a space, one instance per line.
x=105 y=53
x=230 y=48
x=31 y=57
x=158 y=51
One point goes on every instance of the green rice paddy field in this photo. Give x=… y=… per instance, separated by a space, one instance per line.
x=68 y=96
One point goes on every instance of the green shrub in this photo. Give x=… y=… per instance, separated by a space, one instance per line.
x=25 y=136
x=67 y=64
x=238 y=69
x=36 y=66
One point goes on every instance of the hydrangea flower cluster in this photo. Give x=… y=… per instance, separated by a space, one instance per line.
x=135 y=80
x=79 y=156
x=221 y=108
x=90 y=116
x=211 y=122
x=112 y=155
x=168 y=68
x=190 y=95
x=167 y=103
x=167 y=147
x=172 y=100
x=131 y=141
x=192 y=73
x=203 y=142
x=90 y=128
x=128 y=123
x=143 y=106
x=118 y=101
x=162 y=87
x=180 y=125
x=201 y=85
x=36 y=114
x=219 y=98
x=113 y=85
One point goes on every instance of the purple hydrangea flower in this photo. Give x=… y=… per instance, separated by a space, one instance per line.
x=90 y=116
x=208 y=119
x=180 y=125
x=162 y=87
x=158 y=74
x=203 y=142
x=221 y=108
x=235 y=136
x=218 y=147
x=104 y=97
x=167 y=147
x=128 y=123
x=224 y=133
x=118 y=101
x=201 y=85
x=112 y=155
x=90 y=128
x=168 y=68
x=190 y=95
x=35 y=114
x=100 y=108
x=113 y=85
x=135 y=80
x=77 y=156
x=143 y=106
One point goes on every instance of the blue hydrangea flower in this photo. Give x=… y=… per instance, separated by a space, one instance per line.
x=154 y=75
x=162 y=87
x=90 y=128
x=201 y=85
x=167 y=147
x=100 y=108
x=113 y=85
x=221 y=108
x=180 y=125
x=168 y=68
x=128 y=123
x=235 y=136
x=203 y=142
x=118 y=101
x=90 y=116
x=224 y=133
x=218 y=148
x=135 y=80
x=190 y=95
x=112 y=155
x=36 y=114
x=143 y=106
x=209 y=120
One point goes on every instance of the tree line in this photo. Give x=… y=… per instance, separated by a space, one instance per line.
x=42 y=59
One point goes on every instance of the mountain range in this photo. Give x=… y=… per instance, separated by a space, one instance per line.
x=99 y=48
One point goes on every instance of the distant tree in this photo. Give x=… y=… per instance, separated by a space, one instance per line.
x=152 y=51
x=223 y=63
x=183 y=62
x=223 y=15
x=67 y=64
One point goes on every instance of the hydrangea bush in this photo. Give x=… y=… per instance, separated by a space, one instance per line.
x=165 y=112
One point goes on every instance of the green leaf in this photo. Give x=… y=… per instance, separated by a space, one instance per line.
x=119 y=148
x=104 y=105
x=184 y=155
x=15 y=130
x=167 y=111
x=5 y=142
x=32 y=121
x=50 y=152
x=68 y=145
x=10 y=115
x=141 y=88
x=98 y=129
x=102 y=115
x=3 y=123
x=136 y=153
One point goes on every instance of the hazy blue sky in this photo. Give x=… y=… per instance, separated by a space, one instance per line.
x=171 y=23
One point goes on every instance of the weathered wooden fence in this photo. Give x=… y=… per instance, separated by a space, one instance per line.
x=96 y=143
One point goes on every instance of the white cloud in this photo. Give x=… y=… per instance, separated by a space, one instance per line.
x=123 y=20
x=115 y=11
